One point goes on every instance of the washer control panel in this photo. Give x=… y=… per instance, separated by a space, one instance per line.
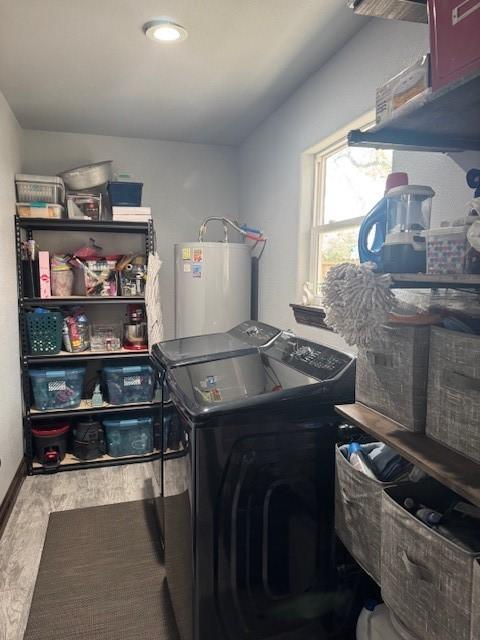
x=254 y=333
x=311 y=358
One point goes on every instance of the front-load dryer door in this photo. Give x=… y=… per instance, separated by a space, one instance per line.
x=275 y=534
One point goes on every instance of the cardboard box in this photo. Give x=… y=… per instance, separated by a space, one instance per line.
x=412 y=82
x=44 y=269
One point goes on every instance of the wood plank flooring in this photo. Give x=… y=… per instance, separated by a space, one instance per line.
x=22 y=541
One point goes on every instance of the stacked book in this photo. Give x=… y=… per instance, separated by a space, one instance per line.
x=131 y=214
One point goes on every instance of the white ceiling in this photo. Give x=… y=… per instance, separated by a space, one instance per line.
x=85 y=66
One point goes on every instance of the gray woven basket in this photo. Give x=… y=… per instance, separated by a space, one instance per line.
x=475 y=632
x=453 y=415
x=427 y=580
x=392 y=374
x=358 y=511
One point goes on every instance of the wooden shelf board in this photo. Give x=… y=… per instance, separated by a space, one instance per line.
x=310 y=315
x=445 y=465
x=428 y=280
x=86 y=407
x=88 y=355
x=70 y=460
x=445 y=120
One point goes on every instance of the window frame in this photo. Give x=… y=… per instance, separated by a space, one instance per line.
x=320 y=155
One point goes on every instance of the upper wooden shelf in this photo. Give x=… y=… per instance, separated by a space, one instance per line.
x=444 y=120
x=445 y=465
x=435 y=281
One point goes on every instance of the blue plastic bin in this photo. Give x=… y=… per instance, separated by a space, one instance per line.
x=57 y=388
x=125 y=194
x=127 y=385
x=129 y=437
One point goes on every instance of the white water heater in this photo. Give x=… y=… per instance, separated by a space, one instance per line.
x=212 y=287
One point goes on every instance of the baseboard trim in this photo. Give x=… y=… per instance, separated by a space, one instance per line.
x=11 y=496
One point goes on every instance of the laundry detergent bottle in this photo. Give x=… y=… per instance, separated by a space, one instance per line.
x=377 y=623
x=376 y=221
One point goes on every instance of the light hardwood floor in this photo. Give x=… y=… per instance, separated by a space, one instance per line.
x=22 y=541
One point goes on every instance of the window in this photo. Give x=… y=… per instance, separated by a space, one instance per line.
x=348 y=181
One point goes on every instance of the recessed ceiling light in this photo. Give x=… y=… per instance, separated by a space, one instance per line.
x=164 y=31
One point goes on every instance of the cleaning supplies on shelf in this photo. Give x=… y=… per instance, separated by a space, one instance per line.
x=376 y=622
x=408 y=217
x=97 y=397
x=376 y=221
x=76 y=336
x=359 y=460
x=389 y=466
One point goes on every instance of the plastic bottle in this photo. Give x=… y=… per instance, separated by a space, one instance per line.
x=359 y=460
x=375 y=623
x=428 y=516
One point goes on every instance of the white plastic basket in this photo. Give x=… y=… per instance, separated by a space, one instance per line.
x=32 y=188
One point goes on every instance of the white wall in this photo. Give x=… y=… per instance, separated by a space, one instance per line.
x=270 y=158
x=11 y=440
x=183 y=183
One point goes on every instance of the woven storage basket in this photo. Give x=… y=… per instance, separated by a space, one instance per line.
x=475 y=632
x=427 y=580
x=392 y=374
x=44 y=332
x=358 y=513
x=453 y=415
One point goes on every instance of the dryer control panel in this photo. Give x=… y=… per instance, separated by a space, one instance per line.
x=311 y=358
x=254 y=333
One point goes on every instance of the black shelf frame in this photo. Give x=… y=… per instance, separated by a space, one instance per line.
x=106 y=226
x=25 y=229
x=446 y=120
x=80 y=300
x=95 y=464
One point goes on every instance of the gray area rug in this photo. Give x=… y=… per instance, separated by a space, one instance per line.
x=102 y=577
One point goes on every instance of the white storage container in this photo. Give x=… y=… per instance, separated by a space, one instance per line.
x=379 y=623
x=446 y=250
x=39 y=210
x=31 y=188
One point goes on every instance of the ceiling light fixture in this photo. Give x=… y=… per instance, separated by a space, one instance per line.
x=164 y=31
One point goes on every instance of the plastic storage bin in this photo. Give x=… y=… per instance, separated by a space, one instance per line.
x=446 y=250
x=32 y=188
x=358 y=511
x=129 y=437
x=427 y=580
x=126 y=385
x=50 y=444
x=39 y=210
x=57 y=388
x=392 y=375
x=101 y=277
x=454 y=391
x=125 y=194
x=44 y=332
